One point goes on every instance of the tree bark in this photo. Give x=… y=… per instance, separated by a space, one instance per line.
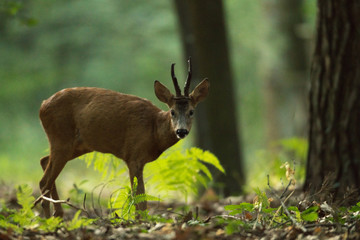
x=334 y=134
x=204 y=36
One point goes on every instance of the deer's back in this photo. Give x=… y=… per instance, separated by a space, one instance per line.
x=99 y=119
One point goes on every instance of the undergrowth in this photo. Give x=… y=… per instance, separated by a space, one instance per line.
x=184 y=171
x=26 y=218
x=241 y=218
x=177 y=173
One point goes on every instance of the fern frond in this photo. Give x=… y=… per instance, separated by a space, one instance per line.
x=176 y=172
x=206 y=156
x=144 y=197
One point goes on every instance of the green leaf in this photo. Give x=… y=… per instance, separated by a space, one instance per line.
x=262 y=198
x=310 y=217
x=297 y=212
x=207 y=157
x=355 y=208
x=78 y=222
x=310 y=214
x=240 y=208
x=24 y=196
x=50 y=224
x=268 y=210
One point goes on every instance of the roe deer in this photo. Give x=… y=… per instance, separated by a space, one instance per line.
x=82 y=120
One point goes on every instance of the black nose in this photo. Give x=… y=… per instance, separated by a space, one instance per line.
x=181 y=133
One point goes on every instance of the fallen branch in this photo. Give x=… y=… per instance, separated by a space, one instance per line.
x=67 y=202
x=40 y=198
x=223 y=216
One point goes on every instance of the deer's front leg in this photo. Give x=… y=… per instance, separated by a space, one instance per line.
x=136 y=170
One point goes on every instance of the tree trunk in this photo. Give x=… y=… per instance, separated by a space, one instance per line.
x=204 y=38
x=334 y=135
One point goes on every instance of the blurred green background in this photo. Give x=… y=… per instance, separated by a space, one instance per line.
x=46 y=46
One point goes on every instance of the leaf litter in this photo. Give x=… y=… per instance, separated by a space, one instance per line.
x=263 y=215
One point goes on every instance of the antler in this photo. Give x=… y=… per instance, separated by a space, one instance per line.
x=188 y=79
x=176 y=85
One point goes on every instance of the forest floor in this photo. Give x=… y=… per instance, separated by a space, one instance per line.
x=209 y=218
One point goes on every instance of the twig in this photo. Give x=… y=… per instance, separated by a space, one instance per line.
x=67 y=202
x=279 y=224
x=92 y=199
x=99 y=204
x=111 y=203
x=277 y=211
x=352 y=225
x=84 y=205
x=298 y=225
x=102 y=185
x=286 y=189
x=225 y=216
x=40 y=198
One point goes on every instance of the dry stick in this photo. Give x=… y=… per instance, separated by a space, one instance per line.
x=278 y=210
x=100 y=193
x=298 y=225
x=98 y=200
x=92 y=200
x=67 y=201
x=225 y=216
x=40 y=198
x=84 y=205
x=111 y=195
x=286 y=189
x=102 y=185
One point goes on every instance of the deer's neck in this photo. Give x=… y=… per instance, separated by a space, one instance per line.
x=166 y=136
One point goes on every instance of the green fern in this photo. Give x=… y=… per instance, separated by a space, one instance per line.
x=78 y=222
x=107 y=164
x=126 y=199
x=175 y=173
x=181 y=172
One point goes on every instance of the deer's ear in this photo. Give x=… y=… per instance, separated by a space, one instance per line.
x=200 y=92
x=163 y=94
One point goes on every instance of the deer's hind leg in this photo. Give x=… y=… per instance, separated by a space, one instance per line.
x=50 y=175
x=55 y=164
x=54 y=194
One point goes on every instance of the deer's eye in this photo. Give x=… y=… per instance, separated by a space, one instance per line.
x=191 y=113
x=172 y=113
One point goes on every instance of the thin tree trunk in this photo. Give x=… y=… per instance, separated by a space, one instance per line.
x=204 y=36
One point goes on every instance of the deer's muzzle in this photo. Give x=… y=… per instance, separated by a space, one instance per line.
x=182 y=133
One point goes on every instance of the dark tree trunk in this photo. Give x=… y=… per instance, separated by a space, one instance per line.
x=204 y=37
x=334 y=136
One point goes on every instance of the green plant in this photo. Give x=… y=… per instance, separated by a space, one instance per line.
x=245 y=216
x=125 y=199
x=78 y=222
x=176 y=172
x=25 y=218
x=181 y=172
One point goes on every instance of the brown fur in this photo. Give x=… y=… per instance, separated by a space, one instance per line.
x=82 y=120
